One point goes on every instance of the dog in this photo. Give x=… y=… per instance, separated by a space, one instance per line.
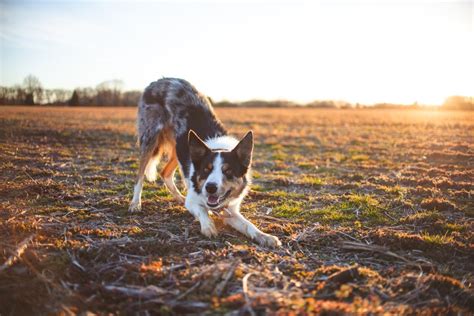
x=177 y=121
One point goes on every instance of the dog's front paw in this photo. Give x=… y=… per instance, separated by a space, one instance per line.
x=209 y=230
x=135 y=207
x=268 y=240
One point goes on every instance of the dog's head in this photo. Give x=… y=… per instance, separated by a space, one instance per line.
x=220 y=176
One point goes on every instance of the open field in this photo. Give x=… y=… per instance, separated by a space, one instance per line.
x=374 y=208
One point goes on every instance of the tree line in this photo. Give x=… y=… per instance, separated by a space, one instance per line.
x=31 y=92
x=110 y=93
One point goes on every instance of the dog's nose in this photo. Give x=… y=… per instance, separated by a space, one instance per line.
x=211 y=188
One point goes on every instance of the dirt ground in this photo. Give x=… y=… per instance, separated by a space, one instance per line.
x=374 y=208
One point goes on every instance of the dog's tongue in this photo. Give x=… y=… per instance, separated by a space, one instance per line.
x=212 y=199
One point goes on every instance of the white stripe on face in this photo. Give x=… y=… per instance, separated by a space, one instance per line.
x=216 y=176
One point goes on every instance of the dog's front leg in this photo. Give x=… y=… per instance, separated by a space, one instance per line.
x=208 y=228
x=241 y=224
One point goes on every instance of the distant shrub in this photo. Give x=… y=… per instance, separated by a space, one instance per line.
x=459 y=103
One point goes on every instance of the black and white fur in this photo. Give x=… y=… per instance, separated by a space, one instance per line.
x=176 y=121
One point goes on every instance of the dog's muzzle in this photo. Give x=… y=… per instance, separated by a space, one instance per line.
x=214 y=201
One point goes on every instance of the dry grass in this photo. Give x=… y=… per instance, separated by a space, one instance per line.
x=374 y=208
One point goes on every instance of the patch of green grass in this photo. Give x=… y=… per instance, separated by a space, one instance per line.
x=124 y=187
x=289 y=209
x=437 y=239
x=438 y=204
x=285 y=195
x=395 y=190
x=276 y=147
x=279 y=156
x=363 y=201
x=108 y=191
x=422 y=217
x=333 y=213
x=360 y=157
x=259 y=188
x=313 y=181
x=163 y=192
x=369 y=207
x=327 y=170
x=433 y=222
x=124 y=172
x=454 y=227
x=355 y=208
x=156 y=191
x=356 y=142
x=306 y=166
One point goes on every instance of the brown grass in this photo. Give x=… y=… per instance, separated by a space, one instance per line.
x=374 y=208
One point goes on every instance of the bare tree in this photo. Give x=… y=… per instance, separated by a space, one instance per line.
x=19 y=94
x=109 y=93
x=48 y=96
x=61 y=96
x=4 y=95
x=130 y=98
x=87 y=96
x=33 y=90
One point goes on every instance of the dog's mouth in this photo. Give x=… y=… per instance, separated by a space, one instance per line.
x=214 y=200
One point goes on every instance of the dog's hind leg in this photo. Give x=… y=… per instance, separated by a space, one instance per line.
x=167 y=173
x=149 y=159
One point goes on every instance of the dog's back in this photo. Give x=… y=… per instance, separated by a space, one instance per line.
x=167 y=110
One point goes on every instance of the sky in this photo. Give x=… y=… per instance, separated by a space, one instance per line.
x=357 y=51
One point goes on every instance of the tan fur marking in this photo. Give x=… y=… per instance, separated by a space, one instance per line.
x=170 y=166
x=200 y=182
x=236 y=186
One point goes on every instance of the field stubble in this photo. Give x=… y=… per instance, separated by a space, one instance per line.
x=374 y=208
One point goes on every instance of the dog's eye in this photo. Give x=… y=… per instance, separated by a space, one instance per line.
x=228 y=173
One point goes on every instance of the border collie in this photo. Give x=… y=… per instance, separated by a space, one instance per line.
x=177 y=121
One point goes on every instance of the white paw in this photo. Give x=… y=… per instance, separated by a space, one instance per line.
x=135 y=207
x=209 y=230
x=268 y=240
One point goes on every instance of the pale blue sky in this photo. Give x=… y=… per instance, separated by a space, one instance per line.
x=359 y=51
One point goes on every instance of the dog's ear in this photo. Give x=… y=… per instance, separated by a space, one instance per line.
x=244 y=150
x=197 y=148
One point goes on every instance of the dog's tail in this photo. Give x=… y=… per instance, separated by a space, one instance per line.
x=150 y=170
